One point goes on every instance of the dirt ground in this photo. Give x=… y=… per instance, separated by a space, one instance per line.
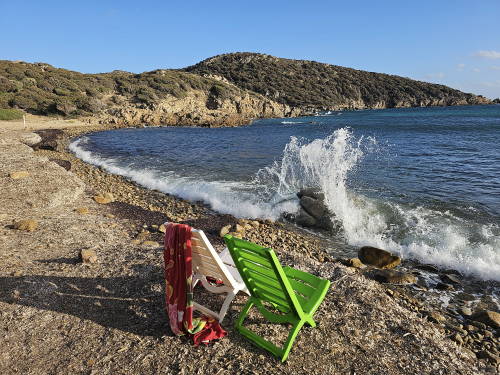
x=59 y=316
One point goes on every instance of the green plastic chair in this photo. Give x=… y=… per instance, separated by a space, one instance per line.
x=295 y=294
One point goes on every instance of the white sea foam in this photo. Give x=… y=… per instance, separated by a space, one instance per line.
x=229 y=197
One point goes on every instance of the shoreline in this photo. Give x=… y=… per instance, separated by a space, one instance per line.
x=136 y=211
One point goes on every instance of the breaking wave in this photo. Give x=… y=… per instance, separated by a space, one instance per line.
x=421 y=230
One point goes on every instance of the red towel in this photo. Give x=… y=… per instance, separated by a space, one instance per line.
x=179 y=288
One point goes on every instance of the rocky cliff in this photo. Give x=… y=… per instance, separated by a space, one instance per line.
x=315 y=86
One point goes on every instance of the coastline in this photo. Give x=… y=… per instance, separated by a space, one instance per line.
x=128 y=247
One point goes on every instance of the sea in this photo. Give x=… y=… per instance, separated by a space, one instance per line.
x=420 y=182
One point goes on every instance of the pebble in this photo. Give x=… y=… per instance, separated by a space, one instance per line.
x=225 y=230
x=88 y=256
x=19 y=174
x=104 y=198
x=82 y=210
x=151 y=244
x=465 y=311
x=26 y=225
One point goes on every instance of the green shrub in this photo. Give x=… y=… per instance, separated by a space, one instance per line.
x=10 y=114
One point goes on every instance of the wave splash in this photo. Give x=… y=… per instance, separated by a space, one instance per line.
x=413 y=230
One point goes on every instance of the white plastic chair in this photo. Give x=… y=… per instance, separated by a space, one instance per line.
x=207 y=262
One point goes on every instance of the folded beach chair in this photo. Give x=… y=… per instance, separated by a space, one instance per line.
x=281 y=294
x=207 y=263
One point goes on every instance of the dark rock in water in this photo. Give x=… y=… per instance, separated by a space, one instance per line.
x=450 y=278
x=490 y=318
x=314 y=207
x=394 y=277
x=305 y=220
x=378 y=257
x=313 y=212
x=311 y=192
x=428 y=268
x=66 y=164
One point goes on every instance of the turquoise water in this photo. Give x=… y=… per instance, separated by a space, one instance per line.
x=424 y=182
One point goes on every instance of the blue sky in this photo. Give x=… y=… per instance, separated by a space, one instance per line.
x=453 y=42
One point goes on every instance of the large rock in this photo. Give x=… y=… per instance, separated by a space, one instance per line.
x=305 y=220
x=490 y=318
x=377 y=257
x=311 y=192
x=30 y=139
x=314 y=207
x=394 y=277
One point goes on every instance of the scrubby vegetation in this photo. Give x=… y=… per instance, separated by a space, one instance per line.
x=42 y=89
x=323 y=86
x=10 y=114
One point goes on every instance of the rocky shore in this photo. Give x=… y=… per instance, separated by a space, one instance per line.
x=81 y=285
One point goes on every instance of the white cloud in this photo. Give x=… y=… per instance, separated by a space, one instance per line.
x=460 y=67
x=495 y=67
x=476 y=70
x=488 y=54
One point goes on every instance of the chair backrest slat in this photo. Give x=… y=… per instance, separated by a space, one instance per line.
x=205 y=259
x=263 y=275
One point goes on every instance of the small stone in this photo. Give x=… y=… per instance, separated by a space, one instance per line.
x=239 y=228
x=19 y=174
x=27 y=225
x=82 y=210
x=110 y=216
x=151 y=244
x=66 y=164
x=225 y=230
x=17 y=273
x=255 y=223
x=458 y=339
x=450 y=278
x=88 y=256
x=355 y=262
x=470 y=328
x=162 y=228
x=465 y=311
x=135 y=242
x=428 y=268
x=104 y=198
x=444 y=286
x=377 y=257
x=436 y=317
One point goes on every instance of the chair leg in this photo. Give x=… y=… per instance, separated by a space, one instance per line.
x=291 y=338
x=244 y=313
x=229 y=298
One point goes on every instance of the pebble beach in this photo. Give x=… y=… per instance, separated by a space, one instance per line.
x=81 y=284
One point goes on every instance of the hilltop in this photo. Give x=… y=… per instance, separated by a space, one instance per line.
x=311 y=85
x=230 y=89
